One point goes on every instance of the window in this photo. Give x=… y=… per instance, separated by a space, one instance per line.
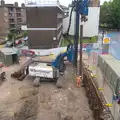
x=54 y=38
x=5 y=20
x=5 y=14
x=11 y=10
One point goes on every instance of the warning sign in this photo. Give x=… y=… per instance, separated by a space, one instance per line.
x=106 y=40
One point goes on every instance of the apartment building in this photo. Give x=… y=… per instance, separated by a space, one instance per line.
x=45 y=27
x=11 y=16
x=4 y=24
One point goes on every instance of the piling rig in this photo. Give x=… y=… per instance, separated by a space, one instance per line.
x=55 y=69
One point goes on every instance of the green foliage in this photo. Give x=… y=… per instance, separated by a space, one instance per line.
x=19 y=36
x=10 y=36
x=25 y=34
x=92 y=40
x=14 y=34
x=110 y=14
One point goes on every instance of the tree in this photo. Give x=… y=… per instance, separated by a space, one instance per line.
x=25 y=34
x=110 y=14
x=116 y=14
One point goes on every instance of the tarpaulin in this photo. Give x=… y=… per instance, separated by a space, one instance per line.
x=114 y=48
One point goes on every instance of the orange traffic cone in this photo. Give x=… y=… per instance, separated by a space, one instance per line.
x=78 y=81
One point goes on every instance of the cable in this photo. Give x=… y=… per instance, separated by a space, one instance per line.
x=70 y=21
x=67 y=33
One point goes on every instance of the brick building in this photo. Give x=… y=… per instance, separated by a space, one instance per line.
x=11 y=16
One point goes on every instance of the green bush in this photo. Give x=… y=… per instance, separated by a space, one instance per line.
x=25 y=34
x=93 y=39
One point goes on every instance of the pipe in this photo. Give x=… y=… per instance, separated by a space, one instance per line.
x=81 y=42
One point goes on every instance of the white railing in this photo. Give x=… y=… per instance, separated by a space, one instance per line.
x=43 y=3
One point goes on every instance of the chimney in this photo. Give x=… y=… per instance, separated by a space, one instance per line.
x=2 y=2
x=23 y=5
x=16 y=4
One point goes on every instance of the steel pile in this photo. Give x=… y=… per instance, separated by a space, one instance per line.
x=96 y=99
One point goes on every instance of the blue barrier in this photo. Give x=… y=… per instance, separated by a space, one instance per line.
x=114 y=48
x=89 y=48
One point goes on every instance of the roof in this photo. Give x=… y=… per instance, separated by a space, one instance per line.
x=44 y=6
x=112 y=62
x=9 y=5
x=8 y=51
x=12 y=6
x=48 y=3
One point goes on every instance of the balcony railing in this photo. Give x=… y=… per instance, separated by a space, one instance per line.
x=18 y=11
x=19 y=16
x=11 y=11
x=11 y=15
x=11 y=21
x=19 y=20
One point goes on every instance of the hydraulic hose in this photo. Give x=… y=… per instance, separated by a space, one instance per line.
x=68 y=29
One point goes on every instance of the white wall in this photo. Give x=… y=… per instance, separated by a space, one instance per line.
x=90 y=27
x=66 y=23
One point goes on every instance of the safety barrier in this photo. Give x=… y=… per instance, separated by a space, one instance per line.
x=106 y=79
x=96 y=99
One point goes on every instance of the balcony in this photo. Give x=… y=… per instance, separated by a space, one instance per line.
x=12 y=26
x=11 y=10
x=18 y=15
x=11 y=21
x=18 y=10
x=11 y=15
x=19 y=20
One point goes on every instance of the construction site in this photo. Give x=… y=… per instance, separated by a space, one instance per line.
x=41 y=80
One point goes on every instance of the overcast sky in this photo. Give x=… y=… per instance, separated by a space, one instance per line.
x=63 y=2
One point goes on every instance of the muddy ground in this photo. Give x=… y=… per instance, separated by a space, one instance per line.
x=22 y=101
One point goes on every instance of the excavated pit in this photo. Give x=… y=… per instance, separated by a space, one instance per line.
x=22 y=101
